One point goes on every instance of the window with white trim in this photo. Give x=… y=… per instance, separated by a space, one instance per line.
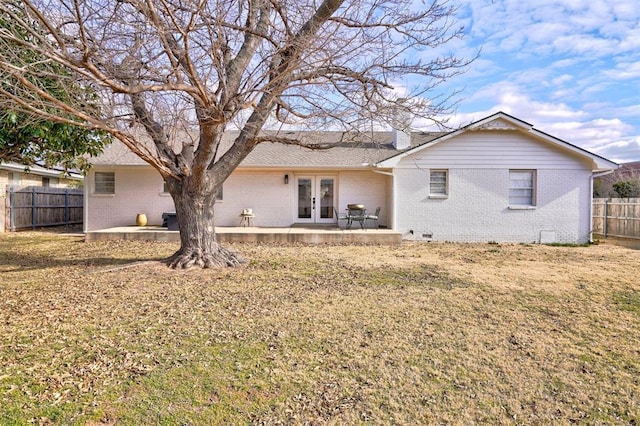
x=522 y=187
x=438 y=183
x=15 y=178
x=105 y=183
x=49 y=181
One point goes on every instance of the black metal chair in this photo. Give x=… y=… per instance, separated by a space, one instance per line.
x=374 y=217
x=340 y=216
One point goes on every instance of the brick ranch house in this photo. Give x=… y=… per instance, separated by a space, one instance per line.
x=497 y=179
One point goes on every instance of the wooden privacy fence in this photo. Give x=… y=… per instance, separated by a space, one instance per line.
x=37 y=206
x=616 y=217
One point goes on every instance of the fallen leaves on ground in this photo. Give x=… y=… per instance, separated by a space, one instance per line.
x=451 y=333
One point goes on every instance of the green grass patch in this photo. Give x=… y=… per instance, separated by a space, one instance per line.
x=628 y=301
x=223 y=385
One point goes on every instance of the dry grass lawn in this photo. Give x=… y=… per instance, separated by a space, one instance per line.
x=419 y=334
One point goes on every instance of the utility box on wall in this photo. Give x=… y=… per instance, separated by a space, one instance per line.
x=548 y=237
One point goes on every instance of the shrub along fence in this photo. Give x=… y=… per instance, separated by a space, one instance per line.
x=616 y=217
x=37 y=206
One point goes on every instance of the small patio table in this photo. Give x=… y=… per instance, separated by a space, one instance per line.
x=246 y=219
x=356 y=213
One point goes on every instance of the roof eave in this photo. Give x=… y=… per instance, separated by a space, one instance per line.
x=41 y=171
x=598 y=163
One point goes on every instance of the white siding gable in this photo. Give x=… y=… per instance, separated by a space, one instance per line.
x=489 y=149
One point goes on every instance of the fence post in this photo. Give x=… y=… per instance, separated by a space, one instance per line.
x=12 y=219
x=66 y=207
x=33 y=207
x=606 y=214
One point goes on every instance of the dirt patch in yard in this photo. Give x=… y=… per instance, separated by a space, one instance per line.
x=421 y=333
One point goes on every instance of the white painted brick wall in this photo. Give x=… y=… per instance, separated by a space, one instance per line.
x=368 y=188
x=263 y=191
x=476 y=209
x=138 y=190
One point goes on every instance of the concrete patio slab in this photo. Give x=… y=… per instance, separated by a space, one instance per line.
x=295 y=234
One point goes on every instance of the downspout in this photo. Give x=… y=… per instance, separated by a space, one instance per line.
x=593 y=176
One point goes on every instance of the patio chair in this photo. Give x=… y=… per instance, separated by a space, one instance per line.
x=374 y=217
x=340 y=216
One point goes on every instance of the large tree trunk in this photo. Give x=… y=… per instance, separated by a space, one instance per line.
x=198 y=245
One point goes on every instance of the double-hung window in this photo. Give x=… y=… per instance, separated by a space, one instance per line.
x=49 y=181
x=105 y=183
x=522 y=188
x=15 y=178
x=438 y=184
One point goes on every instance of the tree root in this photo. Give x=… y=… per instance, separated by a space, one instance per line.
x=220 y=257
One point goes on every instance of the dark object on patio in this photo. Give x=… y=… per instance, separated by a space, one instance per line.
x=170 y=221
x=374 y=217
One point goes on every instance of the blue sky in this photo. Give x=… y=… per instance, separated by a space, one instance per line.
x=569 y=67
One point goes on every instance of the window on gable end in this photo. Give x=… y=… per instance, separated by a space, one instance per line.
x=522 y=187
x=438 y=183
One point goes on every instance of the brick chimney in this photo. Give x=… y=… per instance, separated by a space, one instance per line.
x=401 y=126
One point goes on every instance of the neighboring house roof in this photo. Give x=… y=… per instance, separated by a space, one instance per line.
x=503 y=121
x=41 y=171
x=357 y=150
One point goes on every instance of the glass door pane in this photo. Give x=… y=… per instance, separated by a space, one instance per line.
x=304 y=198
x=326 y=198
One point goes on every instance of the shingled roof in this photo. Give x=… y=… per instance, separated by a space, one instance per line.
x=347 y=151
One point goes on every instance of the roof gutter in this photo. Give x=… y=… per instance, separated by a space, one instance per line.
x=381 y=172
x=595 y=175
x=41 y=171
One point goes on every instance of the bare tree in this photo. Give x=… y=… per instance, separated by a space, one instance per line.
x=205 y=66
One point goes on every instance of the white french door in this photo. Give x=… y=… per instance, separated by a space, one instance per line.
x=315 y=199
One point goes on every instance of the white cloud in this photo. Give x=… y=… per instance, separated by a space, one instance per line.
x=621 y=151
x=597 y=27
x=608 y=137
x=570 y=67
x=561 y=79
x=624 y=71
